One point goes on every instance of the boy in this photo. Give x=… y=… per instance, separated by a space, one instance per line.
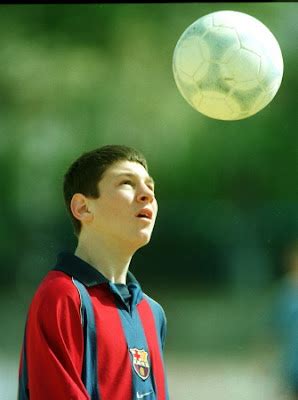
x=91 y=332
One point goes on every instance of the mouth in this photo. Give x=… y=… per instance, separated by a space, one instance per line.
x=145 y=213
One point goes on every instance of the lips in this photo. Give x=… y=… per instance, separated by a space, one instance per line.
x=145 y=213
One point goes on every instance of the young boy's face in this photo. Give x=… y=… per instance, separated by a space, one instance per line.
x=126 y=208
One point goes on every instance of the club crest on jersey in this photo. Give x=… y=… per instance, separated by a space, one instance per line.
x=140 y=362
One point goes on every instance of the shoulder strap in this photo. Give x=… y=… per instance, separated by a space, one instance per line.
x=89 y=373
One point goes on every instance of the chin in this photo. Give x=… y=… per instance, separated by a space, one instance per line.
x=143 y=240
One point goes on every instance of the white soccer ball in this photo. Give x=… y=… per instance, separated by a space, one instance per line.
x=228 y=65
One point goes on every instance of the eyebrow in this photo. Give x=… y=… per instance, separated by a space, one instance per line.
x=130 y=174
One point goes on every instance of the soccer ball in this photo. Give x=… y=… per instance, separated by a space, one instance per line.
x=228 y=65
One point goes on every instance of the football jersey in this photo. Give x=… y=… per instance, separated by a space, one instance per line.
x=130 y=330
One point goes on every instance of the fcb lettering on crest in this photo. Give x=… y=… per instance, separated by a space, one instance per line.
x=140 y=362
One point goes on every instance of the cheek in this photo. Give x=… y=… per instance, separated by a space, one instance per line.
x=113 y=207
x=103 y=212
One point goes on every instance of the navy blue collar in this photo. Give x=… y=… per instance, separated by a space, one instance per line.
x=75 y=267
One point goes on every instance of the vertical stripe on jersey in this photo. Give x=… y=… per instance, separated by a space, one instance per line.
x=149 y=318
x=135 y=338
x=115 y=375
x=90 y=365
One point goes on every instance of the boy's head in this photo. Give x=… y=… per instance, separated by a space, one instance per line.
x=85 y=173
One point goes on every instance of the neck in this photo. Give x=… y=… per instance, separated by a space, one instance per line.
x=109 y=259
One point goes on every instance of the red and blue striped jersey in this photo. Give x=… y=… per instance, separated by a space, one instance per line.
x=129 y=339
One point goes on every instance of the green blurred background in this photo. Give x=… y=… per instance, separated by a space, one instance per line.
x=75 y=77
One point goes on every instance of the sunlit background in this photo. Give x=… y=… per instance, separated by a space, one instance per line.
x=76 y=77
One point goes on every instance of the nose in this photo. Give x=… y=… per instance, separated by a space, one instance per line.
x=145 y=195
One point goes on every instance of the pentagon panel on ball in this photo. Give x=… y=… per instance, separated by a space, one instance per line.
x=228 y=65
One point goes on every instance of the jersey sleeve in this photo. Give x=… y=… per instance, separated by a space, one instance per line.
x=55 y=343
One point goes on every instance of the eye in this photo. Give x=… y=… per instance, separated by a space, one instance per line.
x=127 y=182
x=151 y=187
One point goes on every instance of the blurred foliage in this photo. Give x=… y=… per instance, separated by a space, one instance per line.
x=75 y=77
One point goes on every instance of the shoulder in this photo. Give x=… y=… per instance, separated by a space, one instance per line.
x=54 y=315
x=55 y=290
x=160 y=317
x=157 y=309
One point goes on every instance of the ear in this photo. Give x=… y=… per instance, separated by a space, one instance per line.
x=79 y=208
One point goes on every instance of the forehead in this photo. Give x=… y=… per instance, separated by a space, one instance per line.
x=123 y=167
